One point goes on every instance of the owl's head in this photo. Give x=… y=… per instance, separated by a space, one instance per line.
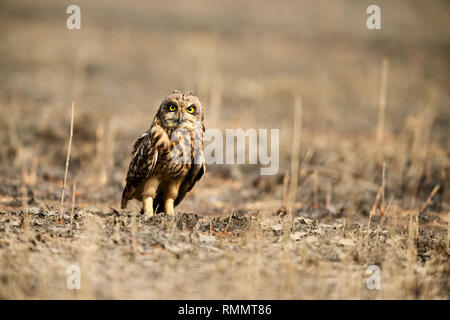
x=180 y=111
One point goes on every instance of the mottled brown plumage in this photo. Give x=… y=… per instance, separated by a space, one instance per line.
x=168 y=159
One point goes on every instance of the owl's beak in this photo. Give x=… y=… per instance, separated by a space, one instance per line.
x=180 y=118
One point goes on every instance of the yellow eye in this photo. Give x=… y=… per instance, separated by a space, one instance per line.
x=172 y=107
x=190 y=109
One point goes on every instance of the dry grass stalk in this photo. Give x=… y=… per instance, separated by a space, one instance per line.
x=386 y=211
x=73 y=207
x=315 y=190
x=328 y=199
x=284 y=203
x=374 y=206
x=305 y=165
x=67 y=163
x=448 y=231
x=105 y=151
x=425 y=205
x=295 y=155
x=25 y=208
x=430 y=197
x=379 y=198
x=229 y=221
x=382 y=105
x=410 y=285
x=383 y=188
x=99 y=150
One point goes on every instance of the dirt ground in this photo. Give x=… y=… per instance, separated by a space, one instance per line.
x=360 y=200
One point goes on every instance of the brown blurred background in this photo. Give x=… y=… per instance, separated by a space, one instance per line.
x=247 y=60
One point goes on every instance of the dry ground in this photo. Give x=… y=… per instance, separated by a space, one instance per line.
x=231 y=237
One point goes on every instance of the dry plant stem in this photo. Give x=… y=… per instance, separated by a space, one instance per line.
x=284 y=202
x=328 y=199
x=295 y=155
x=73 y=207
x=417 y=225
x=315 y=190
x=386 y=212
x=105 y=151
x=382 y=105
x=411 y=258
x=229 y=221
x=99 y=153
x=374 y=207
x=428 y=202
x=448 y=231
x=383 y=187
x=380 y=196
x=305 y=164
x=25 y=208
x=67 y=163
x=425 y=205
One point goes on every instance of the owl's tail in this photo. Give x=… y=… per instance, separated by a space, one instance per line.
x=126 y=195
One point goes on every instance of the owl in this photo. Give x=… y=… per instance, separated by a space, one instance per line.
x=168 y=158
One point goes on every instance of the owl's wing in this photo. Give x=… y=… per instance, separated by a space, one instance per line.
x=144 y=158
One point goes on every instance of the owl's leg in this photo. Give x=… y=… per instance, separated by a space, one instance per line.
x=148 y=207
x=170 y=196
x=148 y=194
x=168 y=207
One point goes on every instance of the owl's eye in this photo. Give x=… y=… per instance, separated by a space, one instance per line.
x=172 y=108
x=190 y=109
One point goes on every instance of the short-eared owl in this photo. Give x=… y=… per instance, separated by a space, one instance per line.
x=168 y=159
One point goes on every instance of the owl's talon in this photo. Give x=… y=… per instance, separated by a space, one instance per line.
x=147 y=217
x=148 y=214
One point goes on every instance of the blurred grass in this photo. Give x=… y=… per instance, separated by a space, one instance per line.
x=247 y=61
x=132 y=54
